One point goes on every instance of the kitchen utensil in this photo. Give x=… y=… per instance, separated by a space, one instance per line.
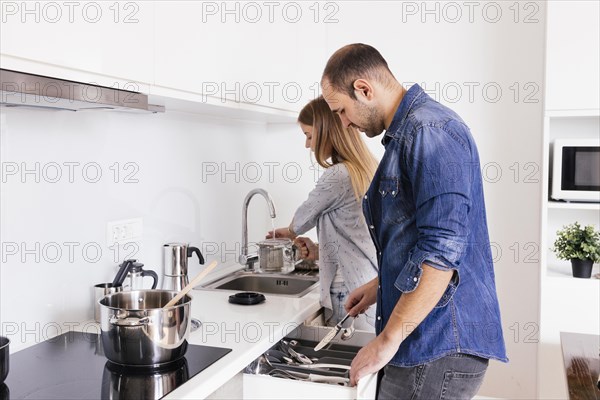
x=300 y=376
x=278 y=255
x=175 y=264
x=329 y=337
x=137 y=330
x=315 y=366
x=101 y=290
x=191 y=285
x=347 y=333
x=4 y=358
x=286 y=346
x=280 y=355
x=247 y=298
x=131 y=274
x=262 y=366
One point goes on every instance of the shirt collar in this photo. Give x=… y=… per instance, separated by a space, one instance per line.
x=404 y=108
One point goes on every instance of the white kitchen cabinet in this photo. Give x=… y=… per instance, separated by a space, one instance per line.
x=572 y=111
x=239 y=51
x=113 y=41
x=573 y=55
x=567 y=304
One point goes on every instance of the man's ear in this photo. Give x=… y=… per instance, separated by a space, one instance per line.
x=363 y=88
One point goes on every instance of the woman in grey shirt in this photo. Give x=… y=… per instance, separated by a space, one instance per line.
x=346 y=254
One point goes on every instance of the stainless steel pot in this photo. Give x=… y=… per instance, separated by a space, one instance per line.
x=277 y=255
x=120 y=382
x=136 y=330
x=3 y=358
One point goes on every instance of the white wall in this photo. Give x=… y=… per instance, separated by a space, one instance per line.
x=42 y=288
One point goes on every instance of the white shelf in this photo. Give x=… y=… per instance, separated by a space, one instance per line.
x=556 y=205
x=565 y=272
x=573 y=113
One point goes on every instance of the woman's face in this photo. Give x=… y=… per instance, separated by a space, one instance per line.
x=310 y=139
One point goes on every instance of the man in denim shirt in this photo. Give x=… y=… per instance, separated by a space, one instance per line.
x=438 y=320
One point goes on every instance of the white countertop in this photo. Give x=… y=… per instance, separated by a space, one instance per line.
x=248 y=330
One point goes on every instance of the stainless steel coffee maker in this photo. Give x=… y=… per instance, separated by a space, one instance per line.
x=175 y=264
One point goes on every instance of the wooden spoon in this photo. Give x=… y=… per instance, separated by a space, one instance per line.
x=190 y=285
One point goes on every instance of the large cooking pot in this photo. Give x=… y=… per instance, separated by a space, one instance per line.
x=120 y=382
x=3 y=358
x=136 y=330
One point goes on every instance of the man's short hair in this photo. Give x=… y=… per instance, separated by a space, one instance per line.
x=352 y=62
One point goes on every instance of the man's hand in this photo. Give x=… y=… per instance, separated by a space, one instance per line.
x=372 y=358
x=409 y=312
x=308 y=249
x=362 y=297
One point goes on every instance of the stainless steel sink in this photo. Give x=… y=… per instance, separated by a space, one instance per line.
x=276 y=284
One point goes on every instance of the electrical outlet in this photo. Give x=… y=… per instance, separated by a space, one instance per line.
x=124 y=231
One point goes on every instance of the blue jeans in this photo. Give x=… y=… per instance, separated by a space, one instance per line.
x=339 y=293
x=457 y=376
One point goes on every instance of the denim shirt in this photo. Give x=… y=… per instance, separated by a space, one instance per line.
x=425 y=205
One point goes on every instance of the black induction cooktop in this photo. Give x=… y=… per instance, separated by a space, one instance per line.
x=73 y=366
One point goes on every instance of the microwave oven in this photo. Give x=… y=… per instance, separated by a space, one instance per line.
x=576 y=170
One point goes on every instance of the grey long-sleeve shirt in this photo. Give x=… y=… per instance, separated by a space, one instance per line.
x=344 y=240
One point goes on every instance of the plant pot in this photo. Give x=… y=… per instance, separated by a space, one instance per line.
x=582 y=268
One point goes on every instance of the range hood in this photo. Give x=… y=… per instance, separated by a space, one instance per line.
x=19 y=89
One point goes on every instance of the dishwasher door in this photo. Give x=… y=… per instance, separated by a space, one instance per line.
x=269 y=387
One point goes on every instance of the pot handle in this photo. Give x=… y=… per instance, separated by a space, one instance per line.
x=149 y=272
x=129 y=321
x=192 y=250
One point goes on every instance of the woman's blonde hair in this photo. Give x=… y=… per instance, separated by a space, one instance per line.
x=345 y=144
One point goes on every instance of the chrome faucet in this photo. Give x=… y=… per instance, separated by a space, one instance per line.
x=249 y=259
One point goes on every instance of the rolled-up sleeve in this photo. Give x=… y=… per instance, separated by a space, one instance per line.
x=326 y=196
x=438 y=165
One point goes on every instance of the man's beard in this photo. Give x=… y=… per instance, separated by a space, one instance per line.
x=372 y=123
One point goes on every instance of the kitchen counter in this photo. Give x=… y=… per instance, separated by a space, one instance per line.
x=247 y=330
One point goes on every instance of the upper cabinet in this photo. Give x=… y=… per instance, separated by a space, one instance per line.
x=573 y=55
x=109 y=39
x=236 y=54
x=256 y=53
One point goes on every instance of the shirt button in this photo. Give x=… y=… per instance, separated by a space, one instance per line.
x=379 y=253
x=365 y=197
x=371 y=226
x=379 y=286
x=378 y=318
x=415 y=279
x=393 y=192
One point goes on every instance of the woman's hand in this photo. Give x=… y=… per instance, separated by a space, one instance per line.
x=281 y=233
x=308 y=249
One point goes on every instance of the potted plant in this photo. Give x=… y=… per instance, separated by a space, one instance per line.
x=580 y=245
